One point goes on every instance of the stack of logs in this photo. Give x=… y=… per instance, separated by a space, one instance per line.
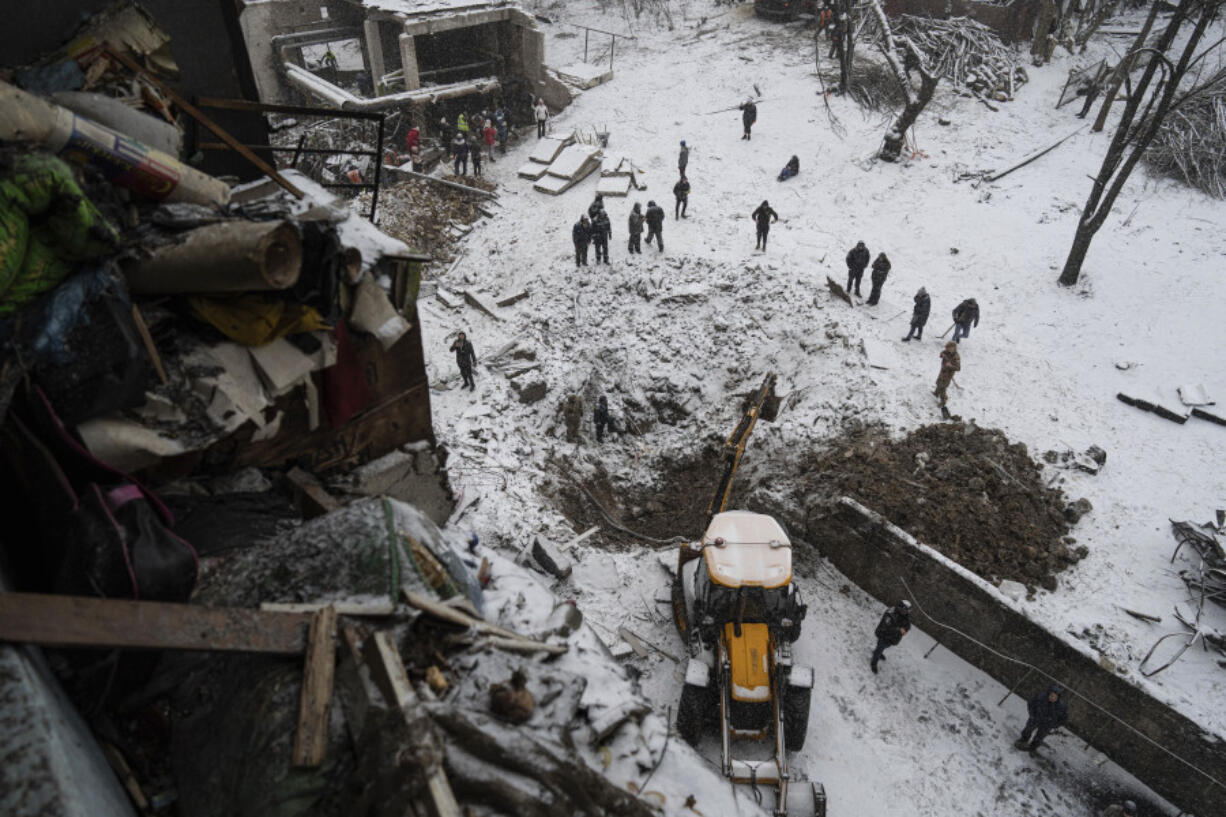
x=966 y=52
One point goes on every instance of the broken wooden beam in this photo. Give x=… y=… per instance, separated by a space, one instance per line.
x=480 y=302
x=78 y=621
x=313 y=498
x=315 y=703
x=501 y=637
x=387 y=670
x=513 y=299
x=1031 y=158
x=453 y=185
x=361 y=609
x=1200 y=413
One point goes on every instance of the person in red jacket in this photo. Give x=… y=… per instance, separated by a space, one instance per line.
x=412 y=139
x=490 y=135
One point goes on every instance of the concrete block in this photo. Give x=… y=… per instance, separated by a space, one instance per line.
x=550 y=558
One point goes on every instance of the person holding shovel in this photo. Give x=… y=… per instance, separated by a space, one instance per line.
x=950 y=365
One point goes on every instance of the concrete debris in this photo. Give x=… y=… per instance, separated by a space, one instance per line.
x=551 y=558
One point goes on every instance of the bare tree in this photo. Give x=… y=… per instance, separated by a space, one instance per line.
x=1125 y=66
x=1147 y=106
x=891 y=47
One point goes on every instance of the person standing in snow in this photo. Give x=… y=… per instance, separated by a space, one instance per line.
x=446 y=134
x=965 y=314
x=881 y=269
x=683 y=159
x=461 y=124
x=655 y=224
x=474 y=150
x=894 y=624
x=951 y=364
x=636 y=230
x=681 y=192
x=1047 y=711
x=1124 y=809
x=503 y=126
x=412 y=139
x=857 y=260
x=749 y=115
x=542 y=116
x=459 y=149
x=602 y=419
x=762 y=220
x=602 y=231
x=581 y=234
x=466 y=358
x=490 y=134
x=919 y=315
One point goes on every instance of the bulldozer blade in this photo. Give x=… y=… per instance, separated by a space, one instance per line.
x=806 y=799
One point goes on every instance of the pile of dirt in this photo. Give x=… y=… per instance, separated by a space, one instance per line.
x=961 y=489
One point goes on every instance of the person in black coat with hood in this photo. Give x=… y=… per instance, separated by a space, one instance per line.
x=1048 y=711
x=965 y=314
x=602 y=231
x=581 y=234
x=881 y=268
x=749 y=115
x=655 y=224
x=894 y=624
x=857 y=260
x=602 y=419
x=919 y=315
x=635 y=225
x=465 y=358
x=762 y=218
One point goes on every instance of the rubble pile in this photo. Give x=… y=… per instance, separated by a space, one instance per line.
x=963 y=490
x=422 y=214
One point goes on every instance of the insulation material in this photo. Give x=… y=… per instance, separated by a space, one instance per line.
x=575 y=162
x=533 y=170
x=546 y=150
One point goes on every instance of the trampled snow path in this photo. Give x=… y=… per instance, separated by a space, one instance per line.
x=707 y=318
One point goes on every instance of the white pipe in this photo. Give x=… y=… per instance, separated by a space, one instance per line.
x=312 y=84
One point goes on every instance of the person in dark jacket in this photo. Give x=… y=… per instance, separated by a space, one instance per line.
x=683 y=158
x=1048 y=711
x=681 y=192
x=474 y=152
x=655 y=224
x=602 y=231
x=790 y=169
x=446 y=134
x=602 y=419
x=965 y=314
x=459 y=149
x=881 y=269
x=635 y=229
x=466 y=358
x=597 y=204
x=749 y=115
x=581 y=234
x=857 y=260
x=919 y=315
x=894 y=624
x=762 y=218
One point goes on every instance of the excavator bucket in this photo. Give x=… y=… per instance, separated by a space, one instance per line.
x=806 y=799
x=770 y=406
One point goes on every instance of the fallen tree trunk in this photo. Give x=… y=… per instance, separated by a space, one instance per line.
x=231 y=256
x=575 y=789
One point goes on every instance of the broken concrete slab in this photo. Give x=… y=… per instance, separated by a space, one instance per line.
x=483 y=303
x=550 y=558
x=532 y=170
x=448 y=299
x=511 y=300
x=608 y=721
x=547 y=149
x=613 y=185
x=530 y=392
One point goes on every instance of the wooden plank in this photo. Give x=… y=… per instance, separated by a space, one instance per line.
x=77 y=621
x=343 y=608
x=313 y=497
x=315 y=705
x=502 y=637
x=387 y=669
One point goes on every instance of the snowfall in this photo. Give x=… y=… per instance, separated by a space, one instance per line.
x=704 y=320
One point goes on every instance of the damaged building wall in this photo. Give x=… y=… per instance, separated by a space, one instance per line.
x=1012 y=22
x=207 y=46
x=879 y=557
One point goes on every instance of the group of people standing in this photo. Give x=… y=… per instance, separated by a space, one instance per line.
x=965 y=314
x=473 y=137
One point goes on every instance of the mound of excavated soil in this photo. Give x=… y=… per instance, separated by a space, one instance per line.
x=963 y=490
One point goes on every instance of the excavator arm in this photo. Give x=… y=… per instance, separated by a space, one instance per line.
x=764 y=404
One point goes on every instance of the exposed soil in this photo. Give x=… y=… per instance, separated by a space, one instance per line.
x=961 y=489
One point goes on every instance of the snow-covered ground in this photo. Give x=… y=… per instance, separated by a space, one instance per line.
x=706 y=319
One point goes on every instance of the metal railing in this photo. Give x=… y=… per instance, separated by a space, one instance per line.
x=299 y=150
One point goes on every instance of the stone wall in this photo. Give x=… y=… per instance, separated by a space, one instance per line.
x=878 y=556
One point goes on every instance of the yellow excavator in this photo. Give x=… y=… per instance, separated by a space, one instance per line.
x=736 y=607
